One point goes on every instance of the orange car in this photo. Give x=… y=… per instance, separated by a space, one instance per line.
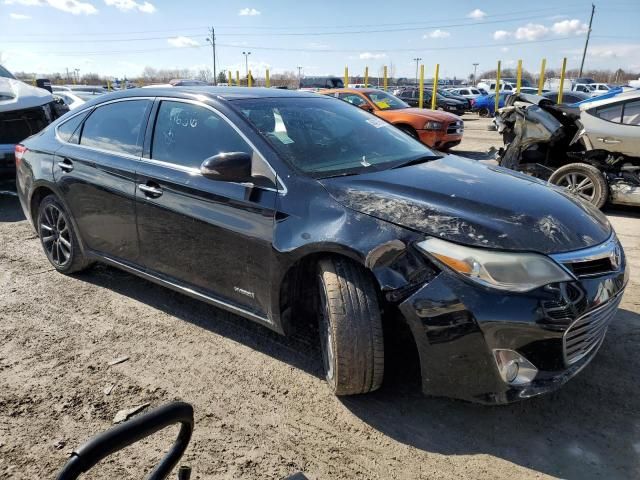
x=436 y=129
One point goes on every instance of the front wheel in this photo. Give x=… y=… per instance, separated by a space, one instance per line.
x=350 y=328
x=583 y=180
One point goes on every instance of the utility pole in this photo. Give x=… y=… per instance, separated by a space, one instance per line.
x=246 y=64
x=417 y=59
x=475 y=79
x=586 y=43
x=299 y=73
x=77 y=78
x=212 y=40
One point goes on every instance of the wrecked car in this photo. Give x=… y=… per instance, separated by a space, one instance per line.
x=296 y=211
x=24 y=110
x=591 y=148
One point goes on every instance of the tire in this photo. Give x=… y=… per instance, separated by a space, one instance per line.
x=409 y=131
x=350 y=328
x=484 y=112
x=583 y=180
x=58 y=237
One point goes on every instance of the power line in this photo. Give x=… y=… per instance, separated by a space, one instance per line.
x=306 y=50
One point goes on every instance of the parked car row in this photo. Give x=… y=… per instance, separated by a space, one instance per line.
x=291 y=207
x=436 y=129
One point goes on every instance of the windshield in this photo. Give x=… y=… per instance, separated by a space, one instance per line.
x=325 y=137
x=386 y=101
x=5 y=73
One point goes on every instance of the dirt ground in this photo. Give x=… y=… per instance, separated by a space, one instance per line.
x=262 y=409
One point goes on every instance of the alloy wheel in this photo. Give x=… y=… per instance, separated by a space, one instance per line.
x=55 y=235
x=326 y=338
x=578 y=184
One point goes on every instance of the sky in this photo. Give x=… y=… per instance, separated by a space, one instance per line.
x=120 y=37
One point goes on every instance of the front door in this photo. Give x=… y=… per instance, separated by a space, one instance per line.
x=213 y=235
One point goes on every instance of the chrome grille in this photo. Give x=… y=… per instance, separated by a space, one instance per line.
x=455 y=127
x=587 y=332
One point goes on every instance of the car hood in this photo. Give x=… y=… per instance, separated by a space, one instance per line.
x=17 y=95
x=437 y=115
x=474 y=204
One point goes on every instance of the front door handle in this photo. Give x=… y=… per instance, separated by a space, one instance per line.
x=66 y=165
x=150 y=191
x=609 y=141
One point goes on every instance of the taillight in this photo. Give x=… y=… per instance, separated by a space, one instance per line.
x=19 y=153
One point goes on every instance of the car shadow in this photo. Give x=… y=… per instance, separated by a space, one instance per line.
x=587 y=429
x=583 y=431
x=10 y=210
x=300 y=350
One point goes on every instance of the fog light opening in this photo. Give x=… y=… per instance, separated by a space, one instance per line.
x=514 y=369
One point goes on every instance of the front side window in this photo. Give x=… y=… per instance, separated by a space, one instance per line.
x=117 y=127
x=187 y=134
x=386 y=101
x=612 y=113
x=631 y=115
x=323 y=138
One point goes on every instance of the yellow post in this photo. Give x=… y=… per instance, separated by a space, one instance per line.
x=230 y=79
x=238 y=78
x=366 y=76
x=497 y=105
x=108 y=86
x=421 y=88
x=434 y=90
x=346 y=77
x=541 y=79
x=562 y=73
x=249 y=82
x=384 y=81
x=267 y=79
x=519 y=77
x=33 y=82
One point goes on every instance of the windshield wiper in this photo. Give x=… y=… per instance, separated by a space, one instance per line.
x=418 y=160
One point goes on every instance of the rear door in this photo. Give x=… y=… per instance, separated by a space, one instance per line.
x=213 y=236
x=95 y=170
x=614 y=127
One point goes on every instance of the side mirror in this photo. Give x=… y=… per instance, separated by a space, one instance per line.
x=228 y=167
x=366 y=107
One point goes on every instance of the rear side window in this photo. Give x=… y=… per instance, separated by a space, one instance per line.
x=187 y=134
x=117 y=127
x=631 y=115
x=67 y=129
x=611 y=113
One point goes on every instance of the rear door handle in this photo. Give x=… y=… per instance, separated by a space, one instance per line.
x=609 y=140
x=66 y=165
x=150 y=190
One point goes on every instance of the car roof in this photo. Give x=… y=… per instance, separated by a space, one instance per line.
x=225 y=93
x=606 y=99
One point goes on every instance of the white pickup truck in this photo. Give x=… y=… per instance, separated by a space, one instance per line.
x=24 y=110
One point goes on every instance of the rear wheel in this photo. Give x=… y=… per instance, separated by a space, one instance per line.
x=583 y=180
x=484 y=112
x=58 y=237
x=350 y=328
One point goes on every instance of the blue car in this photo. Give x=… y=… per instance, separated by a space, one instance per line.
x=485 y=105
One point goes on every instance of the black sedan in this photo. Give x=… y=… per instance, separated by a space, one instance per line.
x=288 y=208
x=411 y=95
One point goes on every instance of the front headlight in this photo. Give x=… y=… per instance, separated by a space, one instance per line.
x=515 y=272
x=431 y=125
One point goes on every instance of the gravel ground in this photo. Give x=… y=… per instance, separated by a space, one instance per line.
x=262 y=409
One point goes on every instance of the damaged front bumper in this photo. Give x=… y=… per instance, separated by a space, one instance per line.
x=457 y=327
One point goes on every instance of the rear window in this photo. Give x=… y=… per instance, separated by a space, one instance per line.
x=67 y=129
x=116 y=127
